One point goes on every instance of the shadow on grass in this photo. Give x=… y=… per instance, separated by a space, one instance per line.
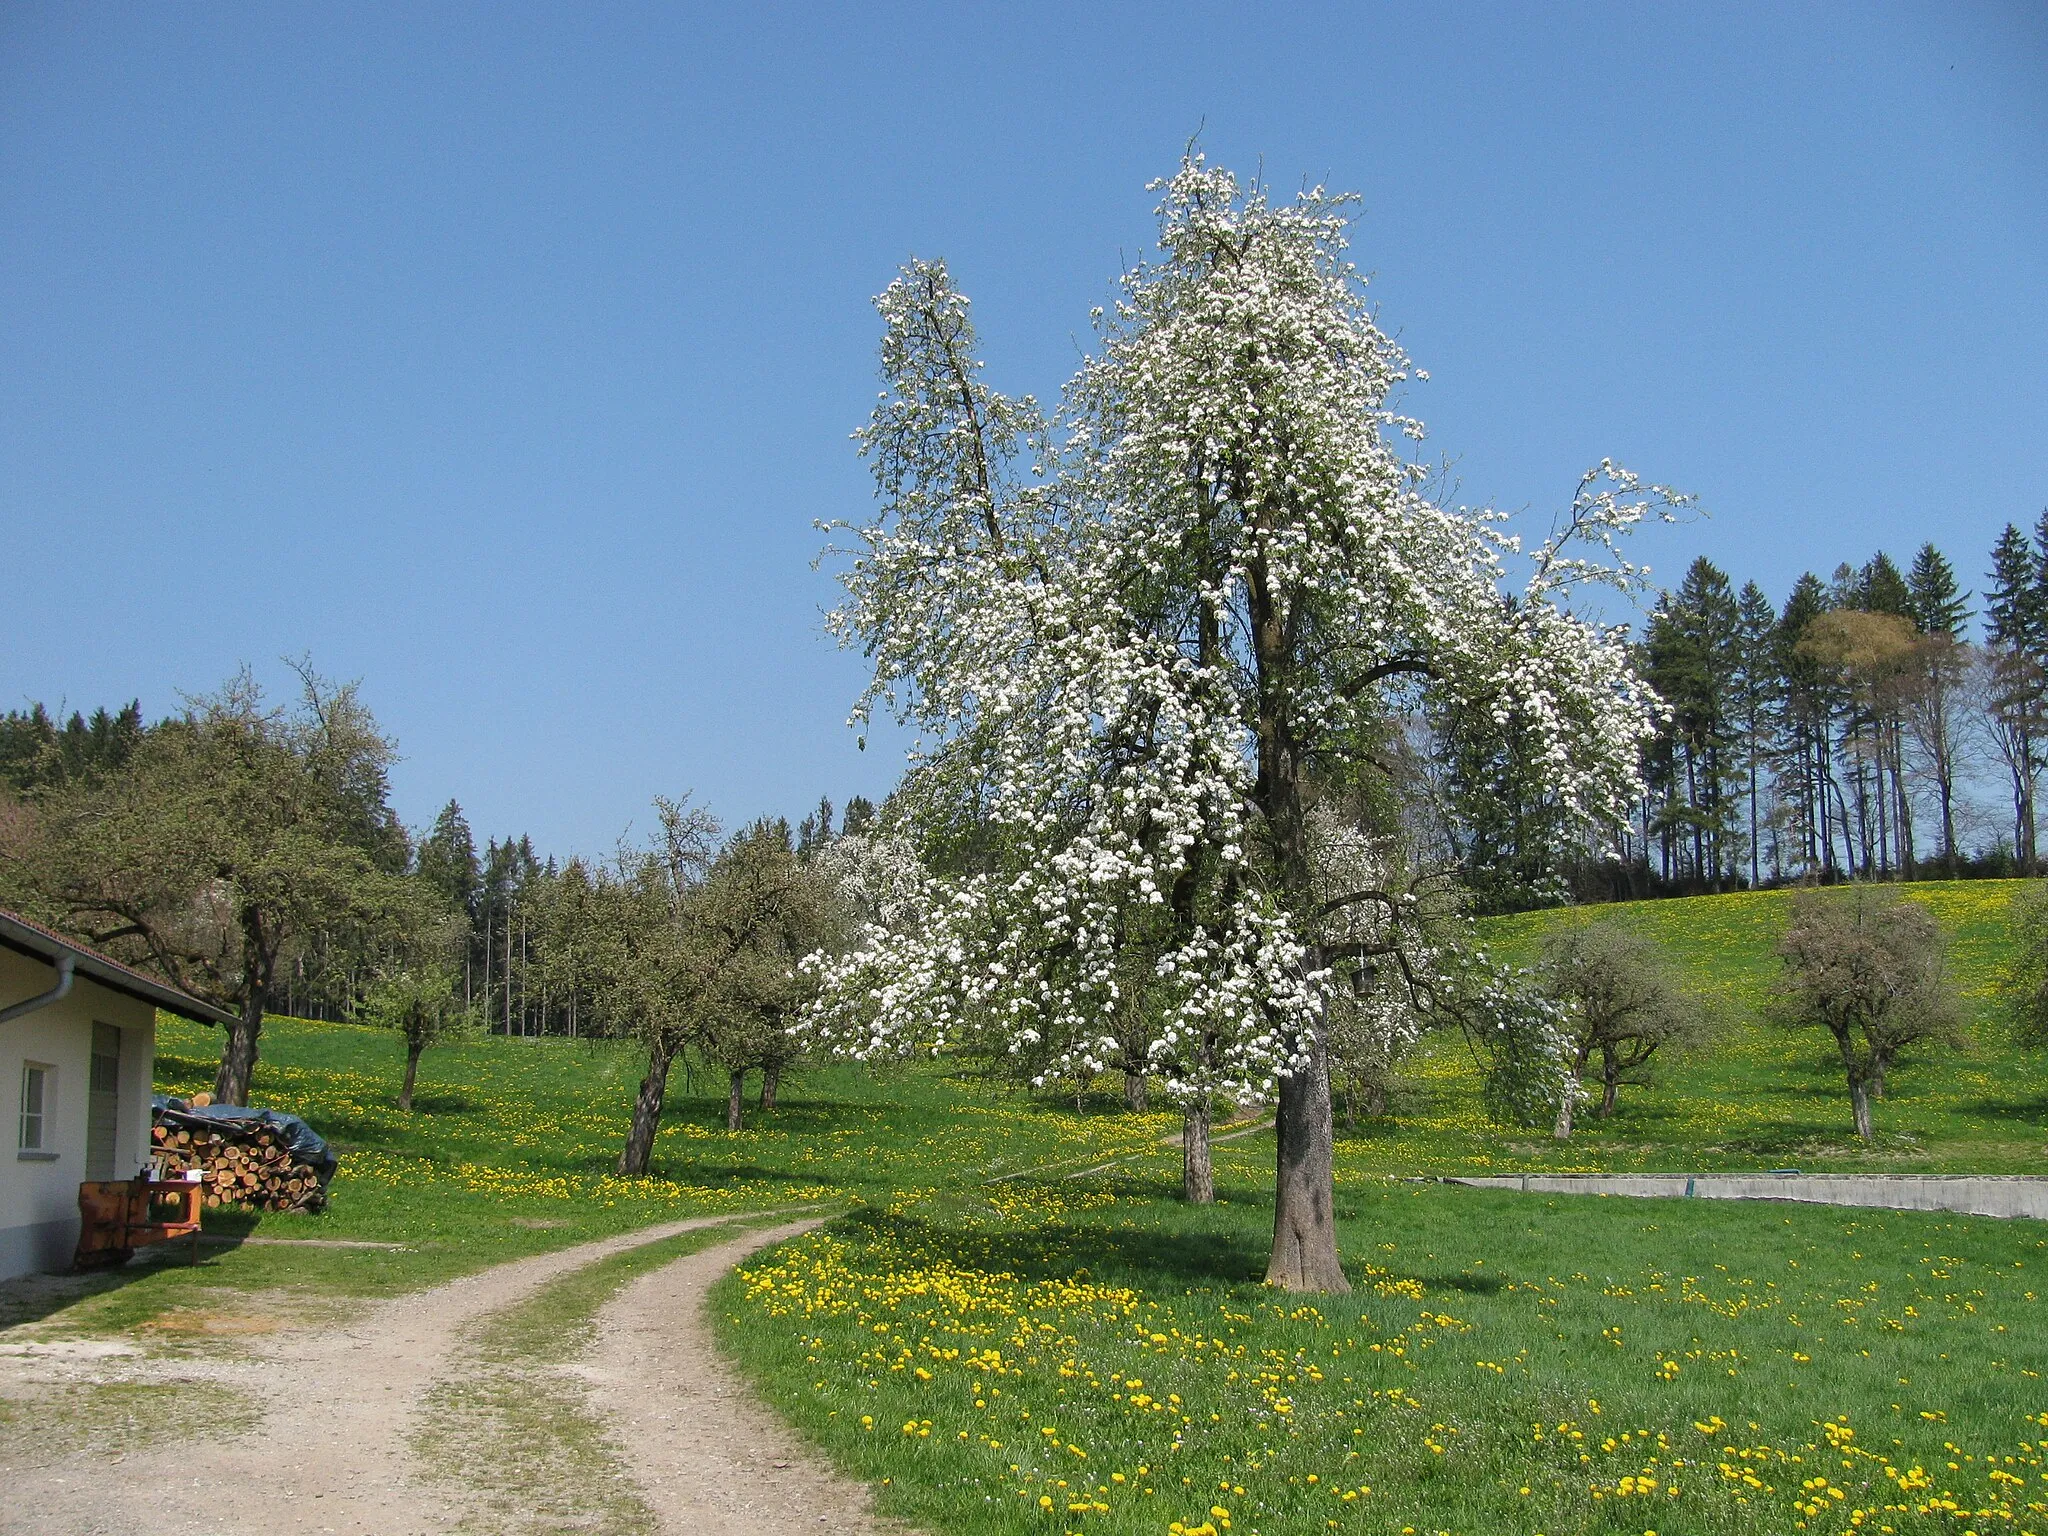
x=1232 y=1254
x=2034 y=1110
x=32 y=1298
x=712 y=1172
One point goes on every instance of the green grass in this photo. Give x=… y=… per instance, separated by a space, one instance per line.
x=1479 y=1317
x=1760 y=1096
x=510 y=1148
x=1101 y=1360
x=1721 y=1338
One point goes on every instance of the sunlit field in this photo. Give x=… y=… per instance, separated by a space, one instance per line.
x=1759 y=1096
x=1016 y=1327
x=1088 y=1355
x=1098 y=1359
x=511 y=1149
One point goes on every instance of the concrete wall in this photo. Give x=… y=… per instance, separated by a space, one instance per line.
x=39 y=1194
x=1967 y=1194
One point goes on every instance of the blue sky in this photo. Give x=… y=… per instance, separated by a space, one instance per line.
x=502 y=356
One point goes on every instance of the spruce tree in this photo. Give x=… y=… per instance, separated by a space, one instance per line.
x=2015 y=631
x=1809 y=705
x=1759 y=687
x=447 y=861
x=1933 y=602
x=1694 y=658
x=1881 y=589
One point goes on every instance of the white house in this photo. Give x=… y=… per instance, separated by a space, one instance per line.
x=77 y=1050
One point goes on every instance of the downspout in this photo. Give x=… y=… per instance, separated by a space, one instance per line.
x=65 y=965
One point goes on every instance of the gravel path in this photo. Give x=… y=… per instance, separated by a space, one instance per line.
x=328 y=1449
x=709 y=1458
x=1969 y=1194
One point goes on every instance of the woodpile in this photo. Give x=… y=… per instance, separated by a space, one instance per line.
x=239 y=1165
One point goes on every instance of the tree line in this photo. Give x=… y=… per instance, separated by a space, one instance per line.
x=1842 y=735
x=248 y=853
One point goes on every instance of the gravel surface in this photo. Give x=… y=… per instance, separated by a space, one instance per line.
x=710 y=1458
x=327 y=1447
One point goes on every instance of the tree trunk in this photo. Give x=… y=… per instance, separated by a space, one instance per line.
x=647 y=1113
x=238 y=1053
x=1304 y=1186
x=735 y=1099
x=771 y=1079
x=1859 y=1100
x=1561 y=1128
x=1304 y=1181
x=1610 y=1082
x=412 y=1072
x=1197 y=1177
x=1134 y=1091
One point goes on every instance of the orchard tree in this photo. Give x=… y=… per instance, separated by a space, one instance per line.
x=1621 y=1004
x=1141 y=642
x=642 y=949
x=759 y=913
x=418 y=992
x=1869 y=969
x=230 y=834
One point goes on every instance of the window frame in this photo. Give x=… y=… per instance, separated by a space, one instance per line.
x=42 y=1117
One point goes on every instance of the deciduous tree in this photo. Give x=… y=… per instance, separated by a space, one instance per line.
x=1144 y=644
x=418 y=992
x=1621 y=1003
x=1869 y=969
x=230 y=833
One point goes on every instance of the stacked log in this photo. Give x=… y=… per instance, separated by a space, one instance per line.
x=239 y=1166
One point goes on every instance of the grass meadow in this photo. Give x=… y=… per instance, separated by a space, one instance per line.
x=1087 y=1355
x=1014 y=1327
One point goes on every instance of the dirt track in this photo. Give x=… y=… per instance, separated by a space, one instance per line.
x=329 y=1448
x=708 y=1456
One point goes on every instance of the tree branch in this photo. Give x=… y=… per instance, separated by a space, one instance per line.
x=1386 y=669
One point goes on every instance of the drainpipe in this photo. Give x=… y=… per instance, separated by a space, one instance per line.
x=64 y=964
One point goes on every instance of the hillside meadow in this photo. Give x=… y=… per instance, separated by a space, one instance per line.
x=1760 y=1095
x=1013 y=1326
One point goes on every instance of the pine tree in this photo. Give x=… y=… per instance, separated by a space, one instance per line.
x=2018 y=690
x=1933 y=602
x=1881 y=589
x=815 y=830
x=1758 y=693
x=447 y=861
x=1693 y=659
x=858 y=818
x=1809 y=704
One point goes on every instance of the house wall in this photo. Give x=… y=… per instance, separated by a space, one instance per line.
x=39 y=1194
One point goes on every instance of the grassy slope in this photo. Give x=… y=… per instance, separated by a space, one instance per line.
x=1479 y=1316
x=1760 y=1096
x=510 y=1151
x=1497 y=1343
x=1101 y=1360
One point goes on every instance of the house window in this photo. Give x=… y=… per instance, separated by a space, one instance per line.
x=37 y=1083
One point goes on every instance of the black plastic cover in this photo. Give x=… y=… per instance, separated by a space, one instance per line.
x=301 y=1139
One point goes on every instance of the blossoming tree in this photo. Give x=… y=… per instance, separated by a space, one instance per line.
x=1139 y=638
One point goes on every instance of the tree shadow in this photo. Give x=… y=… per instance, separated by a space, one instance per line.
x=1471 y=1285
x=35 y=1297
x=1228 y=1255
x=442 y=1104
x=2035 y=1109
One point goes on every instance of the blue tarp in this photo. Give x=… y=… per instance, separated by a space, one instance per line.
x=301 y=1139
